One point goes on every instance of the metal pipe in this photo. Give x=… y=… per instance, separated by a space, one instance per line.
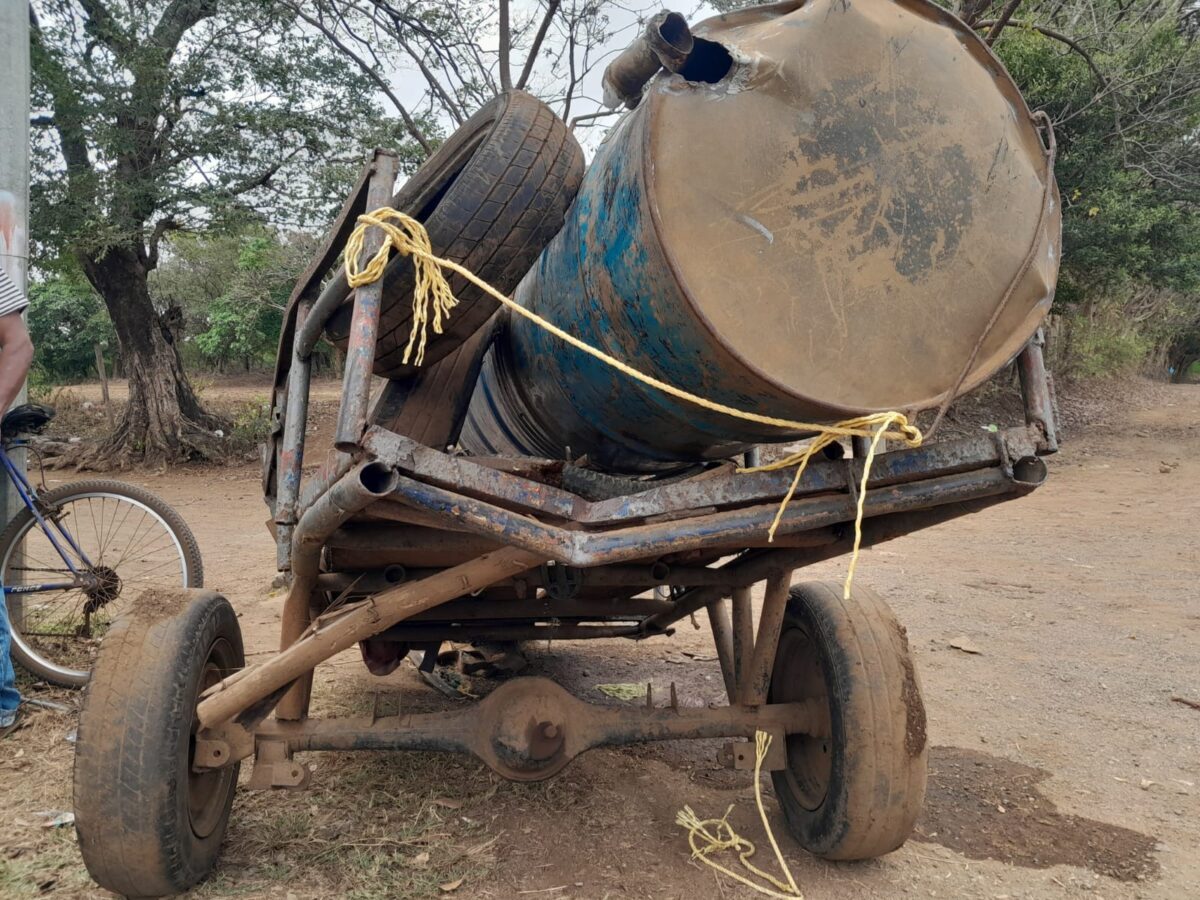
x=586 y=549
x=1035 y=392
x=364 y=324
x=225 y=700
x=459 y=731
x=427 y=632
x=291 y=448
x=350 y=494
x=467 y=476
x=752 y=690
x=666 y=43
x=718 y=620
x=743 y=633
x=752 y=567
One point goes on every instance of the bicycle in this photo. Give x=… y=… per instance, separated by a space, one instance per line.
x=114 y=541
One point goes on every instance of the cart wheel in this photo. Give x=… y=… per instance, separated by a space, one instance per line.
x=855 y=792
x=147 y=824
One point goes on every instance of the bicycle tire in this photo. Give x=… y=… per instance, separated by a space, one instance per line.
x=16 y=531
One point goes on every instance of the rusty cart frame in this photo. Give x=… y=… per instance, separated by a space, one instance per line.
x=395 y=537
x=544 y=553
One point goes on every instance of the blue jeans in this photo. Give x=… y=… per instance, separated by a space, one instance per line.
x=9 y=698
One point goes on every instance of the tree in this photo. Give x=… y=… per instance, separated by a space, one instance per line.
x=445 y=43
x=163 y=115
x=231 y=289
x=66 y=321
x=1121 y=81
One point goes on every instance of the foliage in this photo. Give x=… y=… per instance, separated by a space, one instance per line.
x=196 y=111
x=231 y=290
x=1125 y=99
x=66 y=321
x=161 y=116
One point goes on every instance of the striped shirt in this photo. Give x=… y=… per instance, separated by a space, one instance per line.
x=11 y=298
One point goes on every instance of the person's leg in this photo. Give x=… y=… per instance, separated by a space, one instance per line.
x=9 y=698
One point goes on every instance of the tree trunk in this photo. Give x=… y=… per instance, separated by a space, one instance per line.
x=163 y=420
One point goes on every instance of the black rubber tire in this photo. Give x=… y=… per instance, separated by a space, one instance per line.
x=491 y=198
x=17 y=529
x=872 y=766
x=132 y=754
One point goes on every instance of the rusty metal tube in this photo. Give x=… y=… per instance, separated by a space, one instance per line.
x=718 y=620
x=291 y=447
x=586 y=549
x=353 y=492
x=1036 y=393
x=743 y=633
x=666 y=43
x=364 y=323
x=227 y=699
x=752 y=690
x=459 y=731
x=350 y=494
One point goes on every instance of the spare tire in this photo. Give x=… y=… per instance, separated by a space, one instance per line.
x=491 y=198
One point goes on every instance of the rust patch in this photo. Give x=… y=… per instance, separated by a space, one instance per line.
x=963 y=811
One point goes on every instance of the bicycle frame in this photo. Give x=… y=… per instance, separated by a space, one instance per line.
x=29 y=497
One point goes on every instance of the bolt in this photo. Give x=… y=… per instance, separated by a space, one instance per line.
x=549 y=730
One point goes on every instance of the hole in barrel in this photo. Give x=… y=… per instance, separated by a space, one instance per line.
x=709 y=61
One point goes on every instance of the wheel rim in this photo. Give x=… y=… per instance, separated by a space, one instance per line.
x=208 y=790
x=132 y=548
x=800 y=676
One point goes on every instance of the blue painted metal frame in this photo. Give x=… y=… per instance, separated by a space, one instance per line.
x=28 y=495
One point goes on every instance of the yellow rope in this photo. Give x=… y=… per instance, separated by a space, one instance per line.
x=409 y=238
x=710 y=836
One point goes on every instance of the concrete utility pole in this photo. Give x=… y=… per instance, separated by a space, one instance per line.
x=14 y=166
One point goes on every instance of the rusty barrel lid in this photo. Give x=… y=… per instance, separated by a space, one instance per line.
x=848 y=209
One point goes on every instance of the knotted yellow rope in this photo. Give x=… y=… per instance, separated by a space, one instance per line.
x=409 y=238
x=710 y=836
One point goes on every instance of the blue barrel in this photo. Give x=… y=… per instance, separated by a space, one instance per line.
x=826 y=229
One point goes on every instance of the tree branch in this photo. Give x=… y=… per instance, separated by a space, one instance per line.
x=161 y=227
x=505 y=47
x=100 y=25
x=551 y=9
x=410 y=123
x=1054 y=35
x=68 y=108
x=998 y=25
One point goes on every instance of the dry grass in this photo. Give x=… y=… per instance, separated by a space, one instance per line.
x=373 y=825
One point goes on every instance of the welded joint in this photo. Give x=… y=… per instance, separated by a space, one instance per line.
x=743 y=755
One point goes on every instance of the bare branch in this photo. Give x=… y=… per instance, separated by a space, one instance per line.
x=505 y=47
x=370 y=71
x=998 y=25
x=1054 y=35
x=551 y=9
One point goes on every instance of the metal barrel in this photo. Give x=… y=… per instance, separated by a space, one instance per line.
x=832 y=209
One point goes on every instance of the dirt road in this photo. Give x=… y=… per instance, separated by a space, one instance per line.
x=1061 y=767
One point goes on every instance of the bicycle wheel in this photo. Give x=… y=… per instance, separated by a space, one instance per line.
x=132 y=541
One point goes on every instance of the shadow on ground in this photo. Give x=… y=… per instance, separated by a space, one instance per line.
x=985 y=807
